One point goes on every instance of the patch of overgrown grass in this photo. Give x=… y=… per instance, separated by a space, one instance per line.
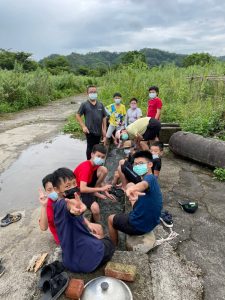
x=219 y=174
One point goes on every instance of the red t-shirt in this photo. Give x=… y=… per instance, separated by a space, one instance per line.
x=153 y=105
x=51 y=223
x=84 y=172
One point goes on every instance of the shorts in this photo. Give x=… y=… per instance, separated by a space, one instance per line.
x=121 y=223
x=152 y=130
x=109 y=250
x=131 y=176
x=88 y=198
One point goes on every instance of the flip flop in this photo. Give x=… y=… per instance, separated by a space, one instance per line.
x=54 y=287
x=49 y=271
x=2 y=269
x=9 y=219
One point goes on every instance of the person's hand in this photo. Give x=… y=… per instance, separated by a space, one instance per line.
x=104 y=140
x=43 y=198
x=85 y=129
x=110 y=196
x=106 y=187
x=133 y=194
x=96 y=229
x=76 y=206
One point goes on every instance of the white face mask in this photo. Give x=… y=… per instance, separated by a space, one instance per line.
x=155 y=156
x=152 y=95
x=117 y=101
x=93 y=96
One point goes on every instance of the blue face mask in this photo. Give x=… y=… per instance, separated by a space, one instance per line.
x=155 y=156
x=93 y=96
x=140 y=169
x=152 y=95
x=53 y=196
x=98 y=161
x=124 y=136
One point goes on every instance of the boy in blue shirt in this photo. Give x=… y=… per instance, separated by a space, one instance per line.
x=84 y=248
x=145 y=198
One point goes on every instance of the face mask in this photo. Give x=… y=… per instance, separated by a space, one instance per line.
x=53 y=196
x=126 y=151
x=98 y=161
x=117 y=101
x=124 y=136
x=152 y=95
x=155 y=156
x=133 y=106
x=140 y=169
x=93 y=96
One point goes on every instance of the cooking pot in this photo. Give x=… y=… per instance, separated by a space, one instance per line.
x=106 y=288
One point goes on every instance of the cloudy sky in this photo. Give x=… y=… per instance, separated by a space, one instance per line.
x=43 y=27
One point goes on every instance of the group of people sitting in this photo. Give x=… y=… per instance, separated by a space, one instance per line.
x=68 y=194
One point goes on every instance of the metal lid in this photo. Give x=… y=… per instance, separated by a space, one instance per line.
x=106 y=288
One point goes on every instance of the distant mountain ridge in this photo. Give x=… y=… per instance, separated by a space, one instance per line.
x=106 y=59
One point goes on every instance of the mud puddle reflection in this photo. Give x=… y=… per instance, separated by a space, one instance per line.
x=19 y=184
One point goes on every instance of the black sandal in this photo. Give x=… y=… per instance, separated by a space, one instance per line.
x=54 y=287
x=49 y=271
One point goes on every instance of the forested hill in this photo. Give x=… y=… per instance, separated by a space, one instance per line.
x=105 y=59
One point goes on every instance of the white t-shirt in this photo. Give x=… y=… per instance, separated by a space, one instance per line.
x=132 y=115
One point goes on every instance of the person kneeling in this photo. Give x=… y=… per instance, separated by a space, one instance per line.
x=145 y=198
x=83 y=246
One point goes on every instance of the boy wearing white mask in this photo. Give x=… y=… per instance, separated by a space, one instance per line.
x=95 y=119
x=133 y=113
x=90 y=176
x=116 y=112
x=156 y=149
x=145 y=198
x=154 y=103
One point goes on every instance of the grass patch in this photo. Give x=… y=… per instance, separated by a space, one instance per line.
x=219 y=174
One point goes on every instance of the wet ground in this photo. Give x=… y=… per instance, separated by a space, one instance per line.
x=30 y=147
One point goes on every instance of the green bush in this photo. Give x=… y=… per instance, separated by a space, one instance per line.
x=219 y=174
x=19 y=90
x=72 y=126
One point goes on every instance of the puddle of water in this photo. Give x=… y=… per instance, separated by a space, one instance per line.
x=19 y=184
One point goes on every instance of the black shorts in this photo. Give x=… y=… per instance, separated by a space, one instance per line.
x=109 y=250
x=121 y=223
x=152 y=130
x=131 y=176
x=88 y=198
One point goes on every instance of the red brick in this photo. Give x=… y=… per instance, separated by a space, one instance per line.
x=120 y=271
x=75 y=289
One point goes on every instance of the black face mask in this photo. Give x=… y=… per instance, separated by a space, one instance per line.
x=69 y=194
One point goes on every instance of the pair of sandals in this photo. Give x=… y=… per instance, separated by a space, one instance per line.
x=9 y=219
x=53 y=281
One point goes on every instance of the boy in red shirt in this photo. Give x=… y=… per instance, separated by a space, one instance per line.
x=154 y=103
x=90 y=176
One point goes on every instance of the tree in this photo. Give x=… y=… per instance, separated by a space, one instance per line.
x=56 y=64
x=9 y=58
x=198 y=59
x=132 y=57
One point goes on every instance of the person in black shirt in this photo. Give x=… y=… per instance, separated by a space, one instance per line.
x=95 y=119
x=156 y=150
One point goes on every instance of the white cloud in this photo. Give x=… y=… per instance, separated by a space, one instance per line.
x=54 y=26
